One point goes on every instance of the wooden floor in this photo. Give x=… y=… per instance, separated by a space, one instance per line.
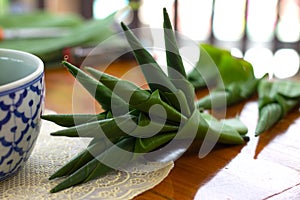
x=267 y=167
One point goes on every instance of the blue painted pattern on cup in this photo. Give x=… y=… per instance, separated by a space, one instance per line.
x=21 y=104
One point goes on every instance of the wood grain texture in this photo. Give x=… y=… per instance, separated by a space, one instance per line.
x=267 y=167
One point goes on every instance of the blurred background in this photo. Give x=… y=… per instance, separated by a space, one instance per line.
x=266 y=33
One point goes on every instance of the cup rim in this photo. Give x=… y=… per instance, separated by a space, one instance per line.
x=23 y=82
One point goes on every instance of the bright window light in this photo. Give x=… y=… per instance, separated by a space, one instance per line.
x=236 y=52
x=261 y=20
x=102 y=8
x=150 y=12
x=286 y=63
x=229 y=19
x=261 y=59
x=288 y=29
x=195 y=18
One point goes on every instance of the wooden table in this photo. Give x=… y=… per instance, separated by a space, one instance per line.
x=267 y=167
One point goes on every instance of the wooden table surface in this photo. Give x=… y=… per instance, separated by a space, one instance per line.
x=267 y=167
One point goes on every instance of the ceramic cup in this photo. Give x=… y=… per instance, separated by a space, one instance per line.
x=21 y=104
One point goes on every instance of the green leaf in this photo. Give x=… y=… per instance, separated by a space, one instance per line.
x=147 y=127
x=226 y=134
x=51 y=49
x=178 y=101
x=96 y=167
x=235 y=80
x=171 y=113
x=289 y=89
x=215 y=53
x=99 y=91
x=269 y=89
x=248 y=88
x=237 y=124
x=155 y=118
x=275 y=99
x=189 y=91
x=269 y=115
x=156 y=78
x=39 y=19
x=96 y=147
x=176 y=68
x=138 y=99
x=145 y=145
x=235 y=70
x=283 y=92
x=216 y=99
x=106 y=128
x=125 y=89
x=68 y=120
x=206 y=72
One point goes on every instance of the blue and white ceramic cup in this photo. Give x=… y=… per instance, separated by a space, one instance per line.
x=21 y=105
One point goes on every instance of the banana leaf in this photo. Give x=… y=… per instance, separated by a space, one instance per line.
x=275 y=99
x=102 y=94
x=231 y=94
x=237 y=124
x=106 y=128
x=153 y=73
x=69 y=120
x=39 y=19
x=205 y=72
x=228 y=131
x=234 y=78
x=95 y=168
x=176 y=70
x=133 y=94
x=174 y=60
x=137 y=98
x=124 y=88
x=51 y=49
x=95 y=147
x=154 y=120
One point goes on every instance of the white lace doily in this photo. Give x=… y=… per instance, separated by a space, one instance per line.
x=31 y=182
